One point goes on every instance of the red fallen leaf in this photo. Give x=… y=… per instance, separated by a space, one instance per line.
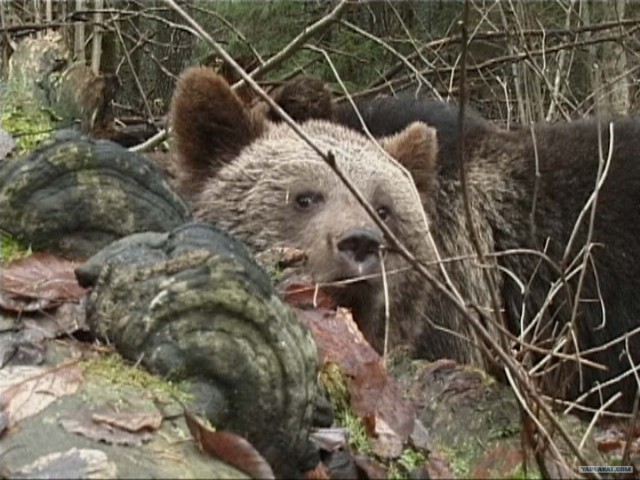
x=375 y=397
x=37 y=282
x=302 y=293
x=338 y=338
x=229 y=447
x=608 y=445
x=318 y=473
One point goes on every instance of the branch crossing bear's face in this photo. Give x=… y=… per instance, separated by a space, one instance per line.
x=264 y=184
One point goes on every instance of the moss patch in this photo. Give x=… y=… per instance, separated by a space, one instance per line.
x=11 y=249
x=117 y=371
x=26 y=121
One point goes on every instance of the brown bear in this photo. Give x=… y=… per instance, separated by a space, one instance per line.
x=260 y=181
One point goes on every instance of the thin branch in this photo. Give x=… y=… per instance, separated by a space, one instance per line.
x=313 y=30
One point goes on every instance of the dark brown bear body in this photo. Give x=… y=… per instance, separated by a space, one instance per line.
x=261 y=182
x=543 y=215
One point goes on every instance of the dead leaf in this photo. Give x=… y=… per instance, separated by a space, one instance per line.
x=74 y=463
x=82 y=423
x=318 y=473
x=25 y=391
x=37 y=282
x=129 y=420
x=329 y=439
x=229 y=447
x=302 y=293
x=22 y=304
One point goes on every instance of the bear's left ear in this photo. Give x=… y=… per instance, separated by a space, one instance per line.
x=210 y=126
x=416 y=148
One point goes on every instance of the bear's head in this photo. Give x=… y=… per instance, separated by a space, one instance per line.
x=264 y=184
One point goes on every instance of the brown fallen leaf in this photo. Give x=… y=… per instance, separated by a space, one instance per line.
x=229 y=447
x=130 y=421
x=74 y=463
x=25 y=391
x=82 y=423
x=37 y=282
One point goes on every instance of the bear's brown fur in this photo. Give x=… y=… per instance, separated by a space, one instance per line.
x=261 y=182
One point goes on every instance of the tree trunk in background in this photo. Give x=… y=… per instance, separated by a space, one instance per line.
x=78 y=39
x=610 y=82
x=614 y=81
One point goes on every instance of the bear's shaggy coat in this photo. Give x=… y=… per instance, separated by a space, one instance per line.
x=258 y=180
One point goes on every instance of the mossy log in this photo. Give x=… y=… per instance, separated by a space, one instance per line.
x=193 y=306
x=74 y=195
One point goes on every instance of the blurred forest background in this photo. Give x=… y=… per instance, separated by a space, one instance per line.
x=527 y=61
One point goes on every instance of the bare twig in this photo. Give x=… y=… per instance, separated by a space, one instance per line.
x=309 y=32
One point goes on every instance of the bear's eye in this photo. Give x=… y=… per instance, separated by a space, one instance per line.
x=383 y=212
x=307 y=200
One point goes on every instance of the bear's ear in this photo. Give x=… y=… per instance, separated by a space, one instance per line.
x=416 y=148
x=303 y=98
x=210 y=126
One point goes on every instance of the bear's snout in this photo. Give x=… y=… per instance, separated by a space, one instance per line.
x=358 y=248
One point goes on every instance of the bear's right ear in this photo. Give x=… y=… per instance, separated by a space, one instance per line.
x=416 y=148
x=210 y=126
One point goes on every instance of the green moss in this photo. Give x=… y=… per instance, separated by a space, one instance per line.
x=410 y=460
x=504 y=431
x=459 y=460
x=11 y=249
x=520 y=474
x=24 y=119
x=335 y=384
x=116 y=370
x=358 y=438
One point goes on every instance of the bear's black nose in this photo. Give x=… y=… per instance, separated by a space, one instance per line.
x=359 y=247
